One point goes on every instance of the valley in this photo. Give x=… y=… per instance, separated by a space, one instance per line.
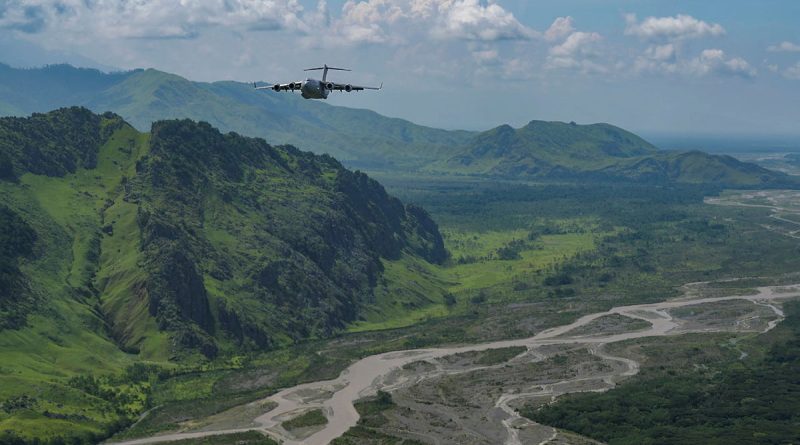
x=452 y=222
x=557 y=350
x=438 y=395
x=185 y=283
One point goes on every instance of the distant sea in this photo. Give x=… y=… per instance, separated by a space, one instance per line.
x=728 y=144
x=781 y=153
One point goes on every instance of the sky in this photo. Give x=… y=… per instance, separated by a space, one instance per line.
x=684 y=67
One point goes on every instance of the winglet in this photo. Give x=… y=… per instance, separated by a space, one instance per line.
x=255 y=86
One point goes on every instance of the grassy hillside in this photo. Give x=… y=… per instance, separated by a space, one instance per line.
x=696 y=167
x=543 y=148
x=123 y=249
x=598 y=152
x=360 y=138
x=364 y=139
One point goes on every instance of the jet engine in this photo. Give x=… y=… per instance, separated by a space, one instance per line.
x=276 y=87
x=329 y=86
x=348 y=88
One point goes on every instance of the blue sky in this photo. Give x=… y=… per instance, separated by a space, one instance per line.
x=727 y=67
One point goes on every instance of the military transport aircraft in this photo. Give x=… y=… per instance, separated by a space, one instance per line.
x=316 y=89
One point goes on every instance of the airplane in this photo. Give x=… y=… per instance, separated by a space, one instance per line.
x=316 y=89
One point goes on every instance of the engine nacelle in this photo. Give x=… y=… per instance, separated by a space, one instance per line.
x=348 y=88
x=276 y=87
x=329 y=86
x=294 y=86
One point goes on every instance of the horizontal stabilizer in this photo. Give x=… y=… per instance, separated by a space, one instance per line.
x=326 y=68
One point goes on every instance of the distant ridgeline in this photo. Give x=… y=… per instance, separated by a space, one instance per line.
x=600 y=153
x=361 y=138
x=184 y=240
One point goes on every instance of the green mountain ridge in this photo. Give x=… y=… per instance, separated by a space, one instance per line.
x=364 y=139
x=176 y=247
x=597 y=152
x=360 y=138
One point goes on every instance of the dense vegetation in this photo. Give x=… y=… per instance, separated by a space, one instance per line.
x=224 y=263
x=248 y=438
x=146 y=96
x=596 y=153
x=308 y=419
x=311 y=260
x=555 y=151
x=16 y=240
x=371 y=412
x=545 y=148
x=749 y=402
x=174 y=247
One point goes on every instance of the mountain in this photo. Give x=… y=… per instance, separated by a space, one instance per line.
x=597 y=152
x=696 y=167
x=359 y=138
x=543 y=148
x=364 y=139
x=175 y=246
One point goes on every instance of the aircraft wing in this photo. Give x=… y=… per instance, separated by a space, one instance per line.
x=347 y=87
x=279 y=86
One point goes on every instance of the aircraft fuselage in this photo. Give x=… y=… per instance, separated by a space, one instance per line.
x=314 y=89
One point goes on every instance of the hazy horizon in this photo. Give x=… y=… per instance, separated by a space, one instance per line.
x=716 y=67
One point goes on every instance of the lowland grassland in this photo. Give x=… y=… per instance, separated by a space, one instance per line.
x=523 y=257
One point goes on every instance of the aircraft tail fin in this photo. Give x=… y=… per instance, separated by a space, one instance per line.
x=325 y=69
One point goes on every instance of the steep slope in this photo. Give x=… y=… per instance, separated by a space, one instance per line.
x=597 y=152
x=177 y=246
x=358 y=137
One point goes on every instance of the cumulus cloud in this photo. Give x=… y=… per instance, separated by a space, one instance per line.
x=578 y=52
x=793 y=72
x=663 y=60
x=715 y=61
x=577 y=43
x=680 y=27
x=561 y=27
x=661 y=53
x=785 y=47
x=486 y=56
x=666 y=38
x=148 y=18
x=372 y=21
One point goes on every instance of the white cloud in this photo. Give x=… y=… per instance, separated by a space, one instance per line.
x=577 y=43
x=577 y=52
x=793 y=72
x=663 y=60
x=574 y=50
x=666 y=55
x=486 y=56
x=470 y=20
x=661 y=53
x=370 y=21
x=147 y=18
x=680 y=27
x=714 y=61
x=561 y=27
x=785 y=46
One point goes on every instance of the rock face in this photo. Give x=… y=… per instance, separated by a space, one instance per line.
x=240 y=245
